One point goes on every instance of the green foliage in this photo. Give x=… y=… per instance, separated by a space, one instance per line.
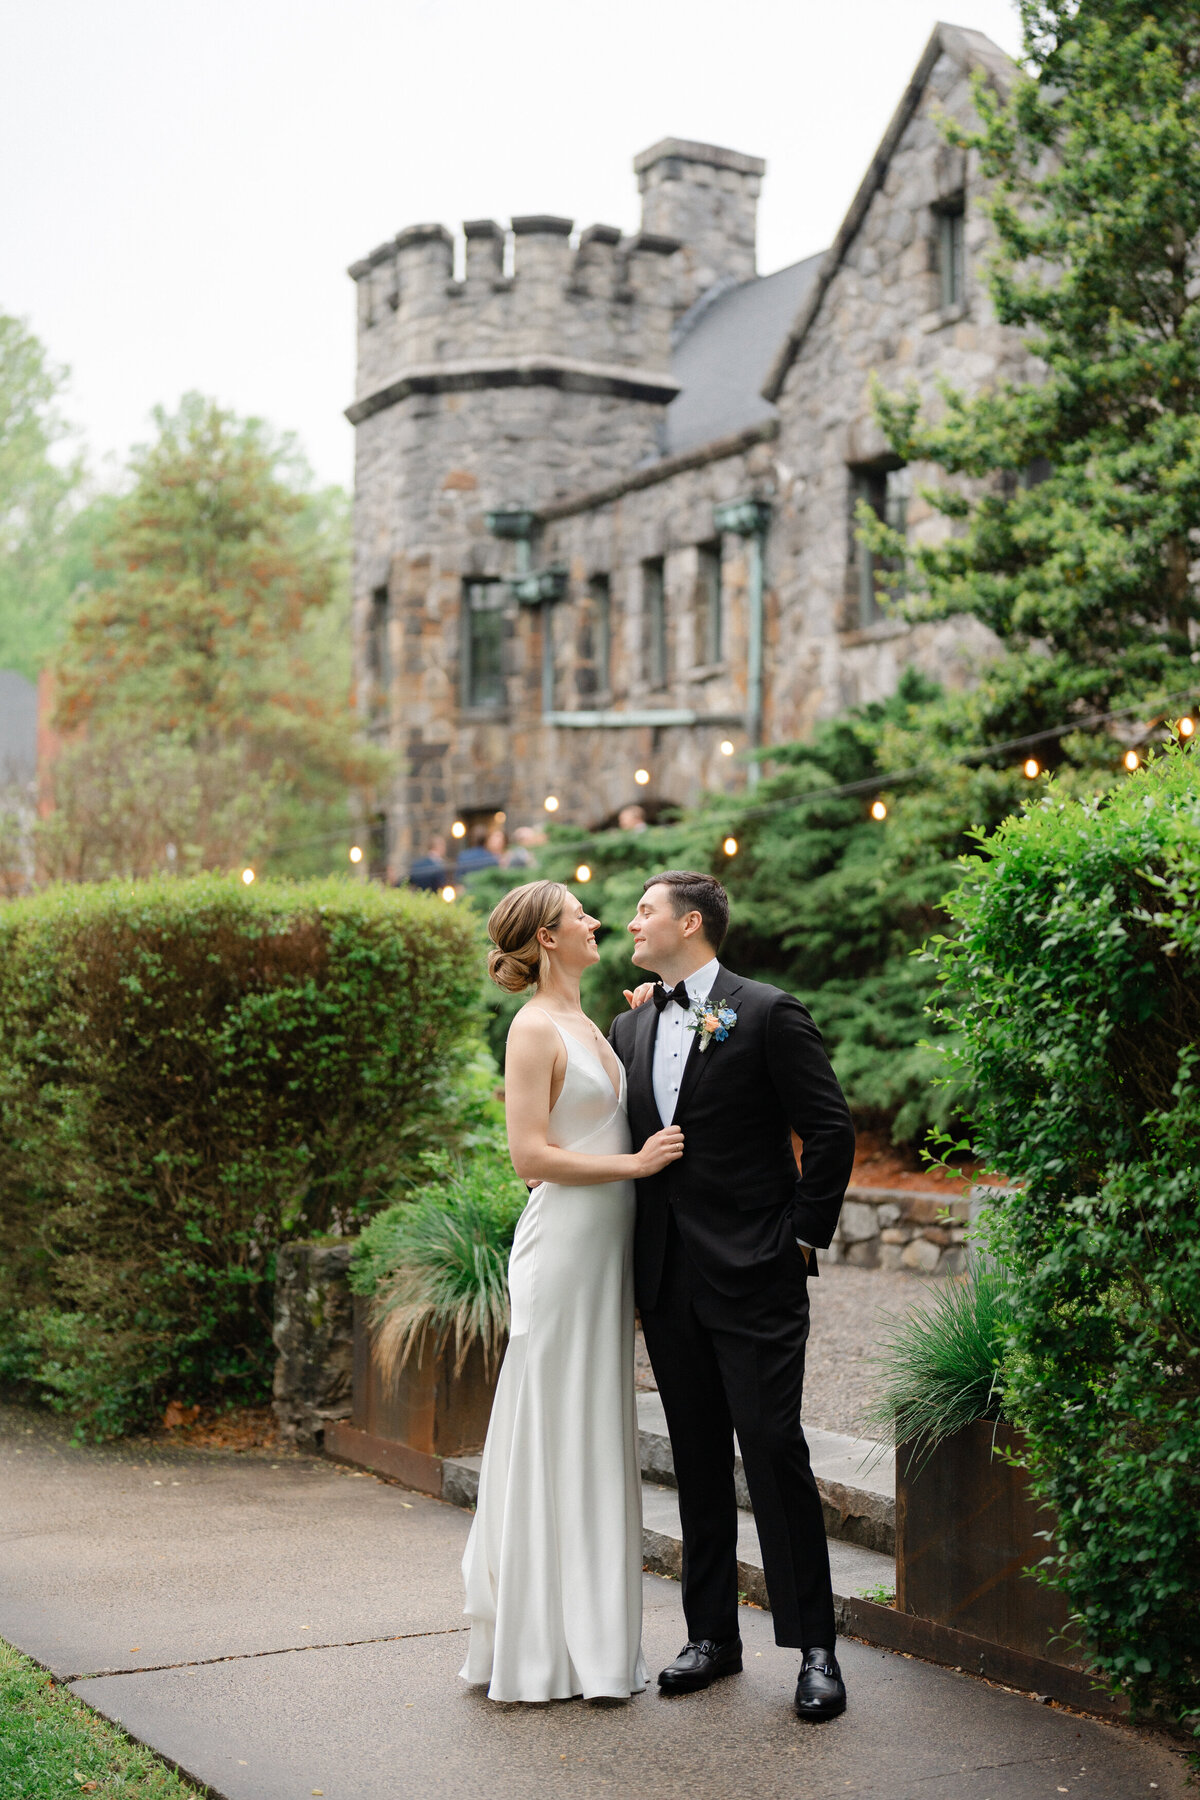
x=1077 y=494
x=436 y=1265
x=194 y=1072
x=214 y=623
x=941 y=1363
x=37 y=490
x=52 y=1744
x=1073 y=993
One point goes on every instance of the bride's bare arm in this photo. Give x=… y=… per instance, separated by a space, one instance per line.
x=533 y=1048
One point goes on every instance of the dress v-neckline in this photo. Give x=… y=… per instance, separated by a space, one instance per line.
x=570 y=1036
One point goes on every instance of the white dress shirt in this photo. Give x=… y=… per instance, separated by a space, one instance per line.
x=674 y=1040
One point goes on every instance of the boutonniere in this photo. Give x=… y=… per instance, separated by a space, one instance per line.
x=711 y=1019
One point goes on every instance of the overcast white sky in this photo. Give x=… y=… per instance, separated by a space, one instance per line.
x=185 y=181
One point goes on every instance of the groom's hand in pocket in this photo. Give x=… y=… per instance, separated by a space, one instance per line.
x=639 y=995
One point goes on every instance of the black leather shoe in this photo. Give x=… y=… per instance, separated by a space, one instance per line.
x=820 y=1691
x=699 y=1665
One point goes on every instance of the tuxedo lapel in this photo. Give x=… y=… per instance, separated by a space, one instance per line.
x=641 y=1071
x=724 y=988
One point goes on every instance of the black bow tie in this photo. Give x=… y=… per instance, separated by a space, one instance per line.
x=663 y=996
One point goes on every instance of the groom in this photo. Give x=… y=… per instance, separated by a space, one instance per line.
x=723 y=1249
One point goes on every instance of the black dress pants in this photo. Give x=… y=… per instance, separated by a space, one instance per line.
x=725 y=1365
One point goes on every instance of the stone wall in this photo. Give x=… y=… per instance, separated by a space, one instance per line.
x=891 y=1228
x=314 y=1340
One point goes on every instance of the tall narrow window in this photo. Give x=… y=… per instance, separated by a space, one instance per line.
x=654 y=622
x=950 y=219
x=379 y=658
x=600 y=607
x=710 y=605
x=886 y=492
x=483 y=643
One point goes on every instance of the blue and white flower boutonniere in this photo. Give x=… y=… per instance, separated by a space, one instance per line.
x=711 y=1019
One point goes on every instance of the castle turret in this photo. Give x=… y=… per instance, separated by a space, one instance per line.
x=706 y=198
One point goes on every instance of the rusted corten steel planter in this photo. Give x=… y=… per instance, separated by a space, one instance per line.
x=966 y=1530
x=407 y=1427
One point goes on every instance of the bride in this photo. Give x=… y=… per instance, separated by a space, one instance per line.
x=553 y=1565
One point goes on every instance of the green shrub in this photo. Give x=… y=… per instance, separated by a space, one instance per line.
x=436 y=1266
x=940 y=1364
x=193 y=1072
x=1075 y=986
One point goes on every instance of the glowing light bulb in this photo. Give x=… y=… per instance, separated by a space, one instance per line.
x=641 y=776
x=550 y=803
x=355 y=853
x=1132 y=760
x=1033 y=769
x=730 y=846
x=583 y=873
x=1186 y=727
x=878 y=809
x=458 y=829
x=726 y=747
x=247 y=876
x=500 y=817
x=447 y=893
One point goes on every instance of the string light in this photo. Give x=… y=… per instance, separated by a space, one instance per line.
x=730 y=846
x=355 y=854
x=1032 y=769
x=878 y=809
x=458 y=829
x=447 y=894
x=726 y=747
x=641 y=776
x=583 y=873
x=550 y=803
x=247 y=876
x=500 y=817
x=1186 y=727
x=1132 y=760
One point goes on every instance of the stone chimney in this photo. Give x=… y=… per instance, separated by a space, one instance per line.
x=707 y=198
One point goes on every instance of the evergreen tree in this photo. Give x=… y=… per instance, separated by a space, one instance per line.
x=1075 y=497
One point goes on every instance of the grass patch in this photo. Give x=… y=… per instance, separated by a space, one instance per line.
x=52 y=1745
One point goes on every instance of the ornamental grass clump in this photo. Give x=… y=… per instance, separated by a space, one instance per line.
x=941 y=1363
x=436 y=1266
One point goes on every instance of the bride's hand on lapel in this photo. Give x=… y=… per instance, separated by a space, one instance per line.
x=638 y=996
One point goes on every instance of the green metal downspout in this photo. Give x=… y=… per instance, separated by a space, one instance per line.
x=751 y=520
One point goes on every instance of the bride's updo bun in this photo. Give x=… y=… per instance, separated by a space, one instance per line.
x=517 y=960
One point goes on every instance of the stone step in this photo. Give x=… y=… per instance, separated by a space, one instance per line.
x=856 y=1478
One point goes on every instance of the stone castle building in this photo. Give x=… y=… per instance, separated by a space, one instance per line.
x=605 y=484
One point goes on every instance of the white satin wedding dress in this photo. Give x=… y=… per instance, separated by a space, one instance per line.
x=553 y=1565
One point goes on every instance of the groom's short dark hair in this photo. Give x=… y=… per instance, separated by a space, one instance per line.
x=704 y=894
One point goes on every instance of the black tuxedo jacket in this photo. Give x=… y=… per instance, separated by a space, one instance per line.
x=737 y=1198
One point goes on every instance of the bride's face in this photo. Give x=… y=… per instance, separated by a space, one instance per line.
x=572 y=943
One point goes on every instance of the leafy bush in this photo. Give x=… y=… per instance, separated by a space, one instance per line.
x=1075 y=986
x=193 y=1072
x=941 y=1362
x=436 y=1265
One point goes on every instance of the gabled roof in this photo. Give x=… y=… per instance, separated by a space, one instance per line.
x=724 y=349
x=971 y=50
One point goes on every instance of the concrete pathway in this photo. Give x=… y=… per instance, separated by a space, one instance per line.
x=280 y=1630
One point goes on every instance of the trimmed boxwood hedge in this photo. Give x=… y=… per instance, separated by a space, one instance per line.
x=193 y=1071
x=1075 y=986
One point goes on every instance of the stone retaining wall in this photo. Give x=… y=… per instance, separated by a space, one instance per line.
x=891 y=1228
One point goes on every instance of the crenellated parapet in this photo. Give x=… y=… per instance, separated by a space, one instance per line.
x=529 y=296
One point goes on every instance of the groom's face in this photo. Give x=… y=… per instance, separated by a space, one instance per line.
x=658 y=936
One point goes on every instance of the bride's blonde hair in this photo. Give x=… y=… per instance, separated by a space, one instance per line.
x=518 y=961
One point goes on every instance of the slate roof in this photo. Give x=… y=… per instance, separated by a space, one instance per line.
x=18 y=727
x=725 y=350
